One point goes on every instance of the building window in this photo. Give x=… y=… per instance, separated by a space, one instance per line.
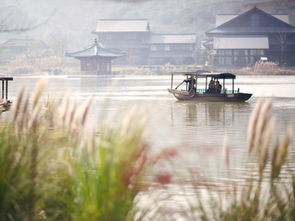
x=220 y=52
x=260 y=52
x=179 y=47
x=228 y=52
x=190 y=47
x=228 y=60
x=160 y=47
x=239 y=57
x=256 y=52
x=167 y=48
x=153 y=48
x=111 y=36
x=130 y=36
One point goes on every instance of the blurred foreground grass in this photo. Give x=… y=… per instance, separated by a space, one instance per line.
x=263 y=190
x=53 y=168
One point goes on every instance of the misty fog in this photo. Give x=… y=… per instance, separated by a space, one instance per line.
x=72 y=21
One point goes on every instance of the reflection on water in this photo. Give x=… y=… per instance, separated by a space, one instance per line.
x=221 y=113
x=209 y=122
x=213 y=112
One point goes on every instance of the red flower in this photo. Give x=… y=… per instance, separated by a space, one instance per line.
x=163 y=178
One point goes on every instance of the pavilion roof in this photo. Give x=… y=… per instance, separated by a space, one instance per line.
x=95 y=50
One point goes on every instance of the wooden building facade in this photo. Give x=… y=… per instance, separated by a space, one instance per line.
x=245 y=39
x=95 y=59
x=134 y=37
x=171 y=48
x=128 y=35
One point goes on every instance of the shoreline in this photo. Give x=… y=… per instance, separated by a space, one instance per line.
x=257 y=70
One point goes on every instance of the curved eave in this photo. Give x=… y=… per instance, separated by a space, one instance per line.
x=84 y=55
x=250 y=31
x=94 y=51
x=89 y=56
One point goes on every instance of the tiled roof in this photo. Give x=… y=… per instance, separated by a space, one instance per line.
x=122 y=25
x=172 y=39
x=251 y=30
x=242 y=24
x=222 y=18
x=94 y=50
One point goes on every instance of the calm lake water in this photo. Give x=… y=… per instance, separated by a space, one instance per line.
x=201 y=126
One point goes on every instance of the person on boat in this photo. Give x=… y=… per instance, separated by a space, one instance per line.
x=211 y=87
x=218 y=87
x=191 y=83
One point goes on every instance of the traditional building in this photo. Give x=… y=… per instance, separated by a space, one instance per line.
x=13 y=48
x=95 y=59
x=128 y=35
x=244 y=39
x=134 y=37
x=171 y=48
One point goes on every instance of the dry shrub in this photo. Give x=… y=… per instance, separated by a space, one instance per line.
x=20 y=61
x=266 y=67
x=48 y=62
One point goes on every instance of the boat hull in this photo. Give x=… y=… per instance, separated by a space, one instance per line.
x=184 y=95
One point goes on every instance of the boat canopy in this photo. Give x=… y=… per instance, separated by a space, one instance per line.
x=205 y=74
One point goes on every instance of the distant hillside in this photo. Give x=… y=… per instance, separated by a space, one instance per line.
x=74 y=20
x=198 y=16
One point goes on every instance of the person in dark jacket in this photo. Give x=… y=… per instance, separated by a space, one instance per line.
x=191 y=83
x=218 y=87
x=211 y=87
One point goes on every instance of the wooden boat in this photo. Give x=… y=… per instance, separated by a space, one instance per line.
x=212 y=92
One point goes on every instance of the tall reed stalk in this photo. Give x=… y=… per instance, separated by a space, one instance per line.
x=51 y=168
x=266 y=191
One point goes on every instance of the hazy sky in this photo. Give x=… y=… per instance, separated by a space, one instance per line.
x=70 y=19
x=74 y=20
